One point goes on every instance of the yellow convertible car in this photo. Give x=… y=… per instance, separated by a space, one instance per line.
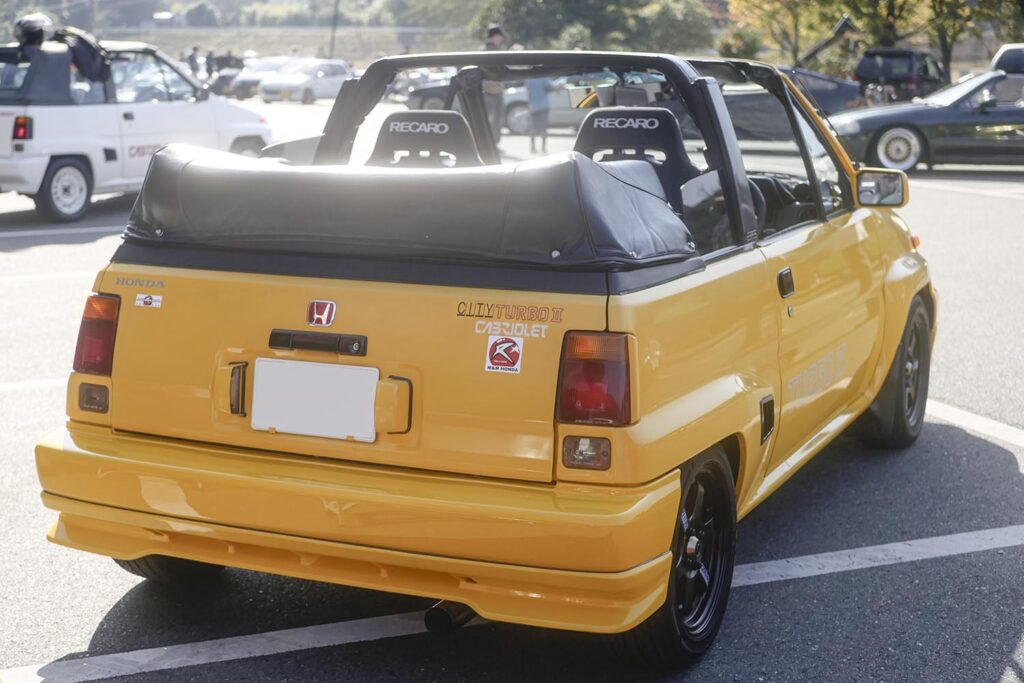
x=537 y=387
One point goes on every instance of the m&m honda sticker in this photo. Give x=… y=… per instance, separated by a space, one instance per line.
x=504 y=354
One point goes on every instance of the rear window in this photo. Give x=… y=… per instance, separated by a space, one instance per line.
x=1011 y=61
x=885 y=66
x=12 y=74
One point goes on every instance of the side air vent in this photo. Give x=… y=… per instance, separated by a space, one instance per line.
x=767 y=417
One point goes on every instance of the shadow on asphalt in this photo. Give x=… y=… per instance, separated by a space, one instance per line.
x=956 y=618
x=109 y=211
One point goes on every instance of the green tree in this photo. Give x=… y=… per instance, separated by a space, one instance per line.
x=538 y=23
x=790 y=25
x=742 y=42
x=1005 y=16
x=884 y=21
x=672 y=26
x=950 y=21
x=202 y=14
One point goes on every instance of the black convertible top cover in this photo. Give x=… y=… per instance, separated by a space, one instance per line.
x=560 y=211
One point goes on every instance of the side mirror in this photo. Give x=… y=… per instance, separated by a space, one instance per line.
x=882 y=187
x=203 y=93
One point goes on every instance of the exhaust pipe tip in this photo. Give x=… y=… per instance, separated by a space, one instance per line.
x=445 y=617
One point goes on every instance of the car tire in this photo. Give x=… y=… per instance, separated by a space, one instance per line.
x=685 y=626
x=432 y=103
x=247 y=147
x=899 y=148
x=308 y=97
x=170 y=570
x=267 y=100
x=896 y=418
x=66 y=191
x=517 y=119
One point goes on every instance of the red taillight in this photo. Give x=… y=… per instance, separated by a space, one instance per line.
x=22 y=128
x=594 y=387
x=95 y=351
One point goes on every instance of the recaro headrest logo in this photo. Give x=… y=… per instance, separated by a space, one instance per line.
x=624 y=122
x=432 y=127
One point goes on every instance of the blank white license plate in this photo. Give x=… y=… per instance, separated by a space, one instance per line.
x=314 y=399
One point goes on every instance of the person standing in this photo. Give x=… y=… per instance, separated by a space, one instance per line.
x=193 y=61
x=494 y=97
x=537 y=90
x=211 y=64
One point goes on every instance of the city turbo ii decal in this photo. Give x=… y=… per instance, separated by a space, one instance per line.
x=432 y=127
x=624 y=122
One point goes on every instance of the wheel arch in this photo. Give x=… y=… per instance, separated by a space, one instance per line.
x=241 y=140
x=84 y=158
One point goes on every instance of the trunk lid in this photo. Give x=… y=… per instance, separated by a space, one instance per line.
x=465 y=379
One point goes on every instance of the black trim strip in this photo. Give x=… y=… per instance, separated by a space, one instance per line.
x=343 y=344
x=405 y=272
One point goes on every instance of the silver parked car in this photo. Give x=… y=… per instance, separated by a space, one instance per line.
x=306 y=81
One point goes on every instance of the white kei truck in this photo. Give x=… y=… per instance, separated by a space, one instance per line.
x=69 y=129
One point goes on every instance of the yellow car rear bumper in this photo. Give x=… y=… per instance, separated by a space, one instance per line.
x=562 y=556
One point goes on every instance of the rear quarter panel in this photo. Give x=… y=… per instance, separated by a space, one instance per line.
x=707 y=353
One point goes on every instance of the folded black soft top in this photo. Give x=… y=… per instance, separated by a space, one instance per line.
x=558 y=211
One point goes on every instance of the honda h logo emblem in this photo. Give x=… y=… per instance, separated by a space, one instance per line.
x=320 y=313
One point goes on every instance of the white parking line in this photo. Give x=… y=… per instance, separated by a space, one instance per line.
x=411 y=623
x=30 y=384
x=1002 y=193
x=877 y=556
x=35 y=277
x=979 y=424
x=57 y=232
x=220 y=650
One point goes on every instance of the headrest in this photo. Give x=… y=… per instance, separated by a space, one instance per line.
x=428 y=138
x=631 y=133
x=630 y=127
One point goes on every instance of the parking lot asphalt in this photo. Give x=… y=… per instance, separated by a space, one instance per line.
x=958 y=616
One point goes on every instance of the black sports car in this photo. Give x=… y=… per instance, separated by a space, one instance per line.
x=978 y=120
x=832 y=94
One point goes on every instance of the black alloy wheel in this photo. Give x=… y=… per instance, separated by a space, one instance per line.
x=703 y=556
x=915 y=351
x=896 y=418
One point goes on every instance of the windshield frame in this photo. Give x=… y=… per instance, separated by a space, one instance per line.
x=942 y=97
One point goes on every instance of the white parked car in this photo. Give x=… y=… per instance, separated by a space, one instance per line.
x=64 y=137
x=247 y=82
x=306 y=81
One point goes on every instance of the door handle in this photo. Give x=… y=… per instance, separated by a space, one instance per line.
x=128 y=116
x=785 y=282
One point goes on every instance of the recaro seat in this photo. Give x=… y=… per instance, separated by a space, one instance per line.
x=634 y=132
x=426 y=138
